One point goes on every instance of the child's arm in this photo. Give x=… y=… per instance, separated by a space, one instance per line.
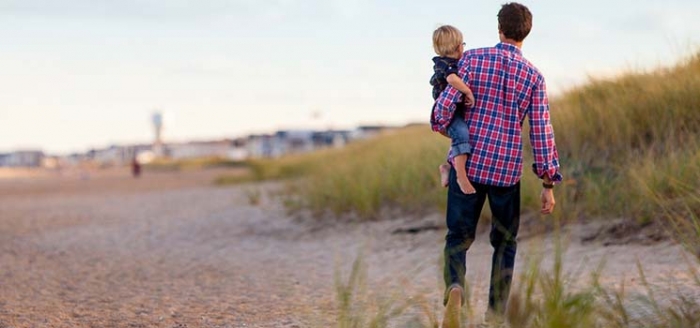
x=456 y=82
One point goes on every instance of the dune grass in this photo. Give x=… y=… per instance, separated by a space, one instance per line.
x=166 y=164
x=618 y=138
x=542 y=297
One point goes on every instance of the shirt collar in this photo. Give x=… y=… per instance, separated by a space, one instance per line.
x=509 y=47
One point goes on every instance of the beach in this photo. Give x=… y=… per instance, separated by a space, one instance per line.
x=172 y=249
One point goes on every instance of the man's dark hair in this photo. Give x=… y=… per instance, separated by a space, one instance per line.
x=514 y=21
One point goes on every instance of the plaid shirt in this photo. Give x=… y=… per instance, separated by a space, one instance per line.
x=507 y=88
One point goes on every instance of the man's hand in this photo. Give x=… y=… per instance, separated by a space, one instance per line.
x=548 y=201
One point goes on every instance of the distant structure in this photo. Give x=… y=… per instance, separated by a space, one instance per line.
x=293 y=142
x=22 y=158
x=271 y=145
x=117 y=154
x=157 y=120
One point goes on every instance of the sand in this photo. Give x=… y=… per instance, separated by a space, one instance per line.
x=173 y=250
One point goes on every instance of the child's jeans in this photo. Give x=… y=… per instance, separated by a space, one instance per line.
x=459 y=133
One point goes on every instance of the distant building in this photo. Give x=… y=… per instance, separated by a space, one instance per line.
x=280 y=143
x=336 y=139
x=197 y=149
x=368 y=131
x=292 y=142
x=287 y=142
x=72 y=159
x=24 y=158
x=238 y=150
x=116 y=155
x=259 y=145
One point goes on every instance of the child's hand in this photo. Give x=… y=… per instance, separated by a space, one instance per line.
x=469 y=99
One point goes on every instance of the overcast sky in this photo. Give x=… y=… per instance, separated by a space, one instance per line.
x=76 y=74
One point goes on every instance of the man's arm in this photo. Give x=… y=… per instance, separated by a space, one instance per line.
x=544 y=148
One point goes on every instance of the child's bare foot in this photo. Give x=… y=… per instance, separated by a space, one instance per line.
x=465 y=185
x=445 y=174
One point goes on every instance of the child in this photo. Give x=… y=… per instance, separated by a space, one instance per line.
x=448 y=44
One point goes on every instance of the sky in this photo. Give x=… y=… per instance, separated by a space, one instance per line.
x=81 y=74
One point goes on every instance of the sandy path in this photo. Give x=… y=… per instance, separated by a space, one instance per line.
x=170 y=250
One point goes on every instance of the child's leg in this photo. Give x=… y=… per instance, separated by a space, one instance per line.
x=462 y=179
x=459 y=132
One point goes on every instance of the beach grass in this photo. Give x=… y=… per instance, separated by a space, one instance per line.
x=167 y=164
x=542 y=297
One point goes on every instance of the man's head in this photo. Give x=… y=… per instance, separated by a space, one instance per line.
x=447 y=41
x=514 y=22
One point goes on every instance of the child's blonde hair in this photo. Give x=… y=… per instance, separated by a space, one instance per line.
x=446 y=40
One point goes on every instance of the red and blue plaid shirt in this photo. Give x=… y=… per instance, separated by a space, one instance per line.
x=507 y=88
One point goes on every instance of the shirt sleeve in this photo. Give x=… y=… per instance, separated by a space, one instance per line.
x=542 y=135
x=445 y=106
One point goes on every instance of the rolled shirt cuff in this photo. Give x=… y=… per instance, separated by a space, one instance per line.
x=552 y=171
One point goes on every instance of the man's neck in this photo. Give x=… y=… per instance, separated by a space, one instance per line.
x=513 y=42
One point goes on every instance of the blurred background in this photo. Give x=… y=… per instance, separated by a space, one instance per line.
x=82 y=76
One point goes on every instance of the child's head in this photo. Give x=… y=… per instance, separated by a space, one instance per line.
x=447 y=41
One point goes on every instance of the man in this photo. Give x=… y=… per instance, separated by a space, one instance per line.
x=507 y=89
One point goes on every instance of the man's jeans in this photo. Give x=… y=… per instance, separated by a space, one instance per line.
x=463 y=213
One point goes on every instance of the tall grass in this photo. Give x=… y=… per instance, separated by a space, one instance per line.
x=619 y=137
x=671 y=185
x=399 y=171
x=543 y=297
x=357 y=308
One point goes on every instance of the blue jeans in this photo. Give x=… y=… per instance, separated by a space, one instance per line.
x=458 y=131
x=463 y=213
